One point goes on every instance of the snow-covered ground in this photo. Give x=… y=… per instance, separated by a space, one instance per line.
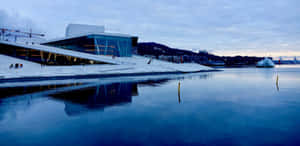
x=122 y=65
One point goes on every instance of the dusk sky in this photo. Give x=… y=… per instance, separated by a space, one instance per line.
x=223 y=27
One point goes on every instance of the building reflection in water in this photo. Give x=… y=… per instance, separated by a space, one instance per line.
x=16 y=91
x=97 y=97
x=23 y=97
x=77 y=97
x=81 y=97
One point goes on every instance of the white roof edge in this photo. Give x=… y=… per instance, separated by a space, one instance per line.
x=82 y=35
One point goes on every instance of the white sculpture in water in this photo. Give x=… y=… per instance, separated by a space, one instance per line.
x=266 y=62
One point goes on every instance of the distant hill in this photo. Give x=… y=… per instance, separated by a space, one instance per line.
x=163 y=52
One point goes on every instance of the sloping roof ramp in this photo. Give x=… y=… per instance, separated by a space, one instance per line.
x=56 y=50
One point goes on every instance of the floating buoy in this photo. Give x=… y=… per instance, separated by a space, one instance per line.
x=277 y=78
x=179 y=100
x=277 y=86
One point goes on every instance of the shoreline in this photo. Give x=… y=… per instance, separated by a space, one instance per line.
x=44 y=78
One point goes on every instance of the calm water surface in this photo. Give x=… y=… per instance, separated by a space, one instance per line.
x=241 y=106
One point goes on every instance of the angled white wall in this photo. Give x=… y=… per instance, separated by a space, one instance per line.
x=82 y=29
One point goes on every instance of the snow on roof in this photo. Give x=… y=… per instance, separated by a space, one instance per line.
x=82 y=35
x=56 y=50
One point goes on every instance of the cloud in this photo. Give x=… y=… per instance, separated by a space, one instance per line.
x=216 y=25
x=15 y=21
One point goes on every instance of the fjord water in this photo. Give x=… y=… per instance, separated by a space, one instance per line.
x=238 y=106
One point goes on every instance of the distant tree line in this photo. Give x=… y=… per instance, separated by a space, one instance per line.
x=163 y=52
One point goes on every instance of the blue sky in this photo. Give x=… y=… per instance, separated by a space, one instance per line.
x=224 y=27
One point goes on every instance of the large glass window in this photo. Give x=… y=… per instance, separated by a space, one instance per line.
x=98 y=44
x=101 y=46
x=82 y=44
x=113 y=46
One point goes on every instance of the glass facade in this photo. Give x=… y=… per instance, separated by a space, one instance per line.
x=113 y=46
x=98 y=44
